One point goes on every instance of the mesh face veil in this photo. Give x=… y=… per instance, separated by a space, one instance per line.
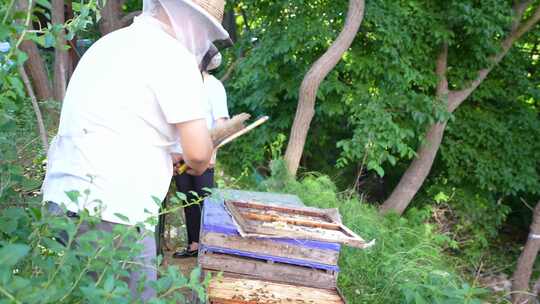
x=187 y=24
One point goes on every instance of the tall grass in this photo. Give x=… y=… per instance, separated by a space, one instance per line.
x=406 y=265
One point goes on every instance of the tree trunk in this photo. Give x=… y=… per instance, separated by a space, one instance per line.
x=414 y=177
x=417 y=172
x=128 y=19
x=36 y=70
x=312 y=80
x=522 y=275
x=111 y=16
x=72 y=57
x=536 y=287
x=35 y=64
x=229 y=23
x=39 y=118
x=60 y=53
x=419 y=169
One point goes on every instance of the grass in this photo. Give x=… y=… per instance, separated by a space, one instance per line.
x=407 y=263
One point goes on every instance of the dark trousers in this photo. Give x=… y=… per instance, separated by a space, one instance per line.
x=189 y=185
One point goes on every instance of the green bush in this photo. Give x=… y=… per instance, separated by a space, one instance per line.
x=469 y=216
x=36 y=268
x=406 y=265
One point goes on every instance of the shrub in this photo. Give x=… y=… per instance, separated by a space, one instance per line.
x=35 y=267
x=407 y=263
x=470 y=217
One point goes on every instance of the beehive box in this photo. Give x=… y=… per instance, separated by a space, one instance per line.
x=249 y=270
x=237 y=290
x=301 y=262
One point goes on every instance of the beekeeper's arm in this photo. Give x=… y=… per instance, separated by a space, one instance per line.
x=196 y=145
x=178 y=88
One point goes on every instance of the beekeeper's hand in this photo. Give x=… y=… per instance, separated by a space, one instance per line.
x=177 y=161
x=196 y=145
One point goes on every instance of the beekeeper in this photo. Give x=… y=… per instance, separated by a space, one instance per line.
x=194 y=186
x=135 y=93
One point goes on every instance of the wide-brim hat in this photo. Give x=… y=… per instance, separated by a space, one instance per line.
x=213 y=11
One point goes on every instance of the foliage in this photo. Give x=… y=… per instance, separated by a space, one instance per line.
x=17 y=151
x=495 y=147
x=12 y=97
x=376 y=103
x=283 y=39
x=407 y=263
x=469 y=217
x=372 y=109
x=44 y=260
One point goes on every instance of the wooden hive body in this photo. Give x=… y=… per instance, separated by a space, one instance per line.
x=267 y=261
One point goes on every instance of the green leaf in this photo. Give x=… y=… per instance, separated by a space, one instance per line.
x=122 y=217
x=181 y=196
x=13 y=253
x=8 y=225
x=418 y=299
x=441 y=197
x=4 y=32
x=49 y=41
x=46 y=4
x=195 y=275
x=379 y=171
x=17 y=84
x=109 y=283
x=73 y=195
x=157 y=201
x=53 y=245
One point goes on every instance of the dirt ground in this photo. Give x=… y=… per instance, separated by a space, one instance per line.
x=186 y=265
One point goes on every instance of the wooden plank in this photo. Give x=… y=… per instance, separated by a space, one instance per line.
x=315 y=212
x=276 y=272
x=265 y=232
x=275 y=218
x=273 y=248
x=246 y=291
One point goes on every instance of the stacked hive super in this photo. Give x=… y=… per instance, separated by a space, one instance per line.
x=264 y=270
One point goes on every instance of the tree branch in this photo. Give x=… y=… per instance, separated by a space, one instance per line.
x=455 y=98
x=230 y=69
x=60 y=54
x=440 y=70
x=528 y=24
x=519 y=9
x=37 y=111
x=246 y=22
x=35 y=65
